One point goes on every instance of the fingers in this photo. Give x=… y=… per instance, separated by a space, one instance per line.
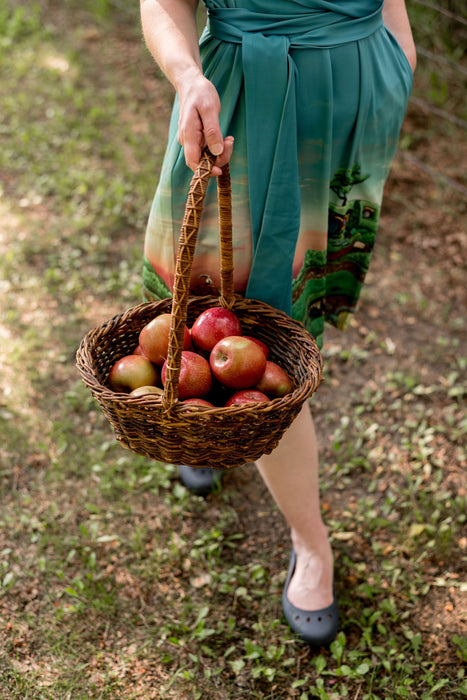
x=224 y=157
x=199 y=125
x=193 y=155
x=213 y=139
x=192 y=147
x=194 y=142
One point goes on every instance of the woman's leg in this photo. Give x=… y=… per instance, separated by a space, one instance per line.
x=291 y=475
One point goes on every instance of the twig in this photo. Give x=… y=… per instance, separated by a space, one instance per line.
x=442 y=11
x=434 y=173
x=439 y=112
x=441 y=59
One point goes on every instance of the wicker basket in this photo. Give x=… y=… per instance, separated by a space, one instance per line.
x=163 y=428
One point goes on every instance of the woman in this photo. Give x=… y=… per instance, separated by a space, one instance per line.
x=314 y=93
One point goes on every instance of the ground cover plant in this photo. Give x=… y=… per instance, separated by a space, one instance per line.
x=115 y=582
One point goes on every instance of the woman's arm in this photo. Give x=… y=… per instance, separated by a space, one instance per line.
x=396 y=20
x=171 y=35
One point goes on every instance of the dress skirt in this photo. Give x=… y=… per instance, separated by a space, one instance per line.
x=314 y=93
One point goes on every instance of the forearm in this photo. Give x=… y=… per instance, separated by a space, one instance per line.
x=396 y=20
x=171 y=35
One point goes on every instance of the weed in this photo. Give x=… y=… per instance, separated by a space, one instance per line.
x=115 y=582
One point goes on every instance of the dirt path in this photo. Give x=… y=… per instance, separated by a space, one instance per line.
x=107 y=562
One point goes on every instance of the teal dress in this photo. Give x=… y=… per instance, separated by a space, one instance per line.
x=314 y=92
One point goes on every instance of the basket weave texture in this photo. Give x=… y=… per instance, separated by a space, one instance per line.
x=161 y=427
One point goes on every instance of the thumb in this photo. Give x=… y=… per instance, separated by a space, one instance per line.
x=214 y=140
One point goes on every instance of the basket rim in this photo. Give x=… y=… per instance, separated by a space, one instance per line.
x=91 y=340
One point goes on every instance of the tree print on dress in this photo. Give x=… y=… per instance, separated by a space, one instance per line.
x=329 y=282
x=345 y=179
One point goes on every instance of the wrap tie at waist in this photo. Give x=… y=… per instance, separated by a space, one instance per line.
x=269 y=74
x=317 y=28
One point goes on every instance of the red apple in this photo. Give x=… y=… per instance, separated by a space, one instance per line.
x=154 y=339
x=138 y=351
x=144 y=390
x=275 y=381
x=198 y=402
x=212 y=325
x=262 y=345
x=195 y=379
x=246 y=396
x=237 y=362
x=132 y=371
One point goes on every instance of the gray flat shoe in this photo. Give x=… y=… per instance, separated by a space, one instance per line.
x=316 y=627
x=201 y=480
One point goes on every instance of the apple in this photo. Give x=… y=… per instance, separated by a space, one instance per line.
x=144 y=390
x=262 y=345
x=195 y=378
x=246 y=396
x=212 y=325
x=154 y=339
x=196 y=401
x=131 y=372
x=237 y=362
x=275 y=381
x=138 y=351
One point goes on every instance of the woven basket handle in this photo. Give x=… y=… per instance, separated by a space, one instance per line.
x=184 y=264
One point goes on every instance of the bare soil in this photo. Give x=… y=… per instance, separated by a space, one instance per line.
x=390 y=376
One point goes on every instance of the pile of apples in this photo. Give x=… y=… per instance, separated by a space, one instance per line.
x=219 y=365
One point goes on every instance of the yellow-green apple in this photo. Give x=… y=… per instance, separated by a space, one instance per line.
x=246 y=396
x=275 y=381
x=237 y=362
x=144 y=390
x=212 y=325
x=154 y=339
x=195 y=378
x=262 y=345
x=131 y=372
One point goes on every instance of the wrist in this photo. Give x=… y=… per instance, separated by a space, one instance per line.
x=184 y=77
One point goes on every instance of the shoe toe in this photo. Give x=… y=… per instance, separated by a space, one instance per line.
x=200 y=480
x=316 y=627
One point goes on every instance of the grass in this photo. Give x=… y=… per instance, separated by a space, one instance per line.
x=114 y=581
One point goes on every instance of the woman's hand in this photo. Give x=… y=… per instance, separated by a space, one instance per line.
x=198 y=124
x=171 y=34
x=396 y=20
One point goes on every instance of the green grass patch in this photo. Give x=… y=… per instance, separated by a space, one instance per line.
x=115 y=582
